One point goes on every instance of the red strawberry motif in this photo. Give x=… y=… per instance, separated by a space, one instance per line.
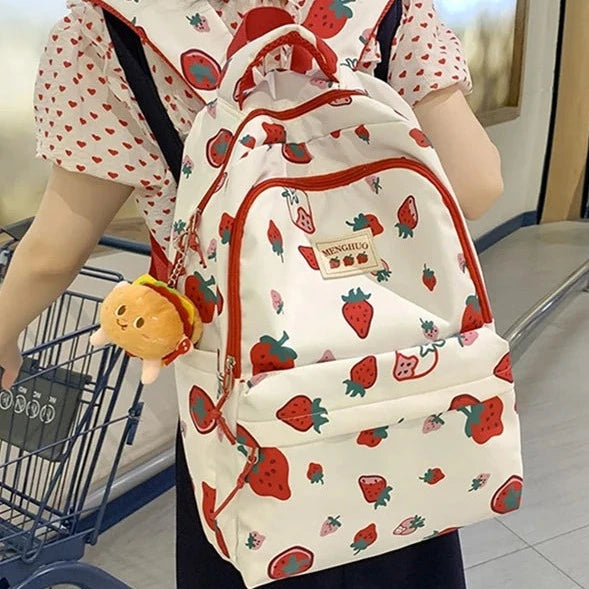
x=362 y=377
x=209 y=499
x=269 y=477
x=226 y=228
x=358 y=312
x=326 y=18
x=302 y=414
x=248 y=141
x=269 y=355
x=372 y=437
x=199 y=23
x=275 y=239
x=200 y=69
x=275 y=133
x=375 y=490
x=315 y=473
x=429 y=278
x=304 y=221
x=509 y=496
x=364 y=538
x=291 y=562
x=503 y=369
x=363 y=133
x=420 y=138
x=408 y=218
x=349 y=260
x=483 y=419
x=479 y=482
x=367 y=221
x=202 y=410
x=297 y=153
x=334 y=263
x=433 y=476
x=433 y=423
x=218 y=148
x=309 y=254
x=472 y=318
x=204 y=298
x=362 y=258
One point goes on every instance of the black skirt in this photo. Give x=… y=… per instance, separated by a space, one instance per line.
x=435 y=564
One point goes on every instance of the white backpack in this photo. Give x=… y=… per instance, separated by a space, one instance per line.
x=350 y=395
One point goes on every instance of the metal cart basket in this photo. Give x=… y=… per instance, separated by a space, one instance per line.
x=53 y=425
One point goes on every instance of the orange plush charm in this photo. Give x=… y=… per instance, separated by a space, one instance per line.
x=151 y=321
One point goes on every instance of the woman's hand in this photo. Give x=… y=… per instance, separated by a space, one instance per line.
x=10 y=363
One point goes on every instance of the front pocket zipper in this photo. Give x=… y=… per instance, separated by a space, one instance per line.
x=327 y=182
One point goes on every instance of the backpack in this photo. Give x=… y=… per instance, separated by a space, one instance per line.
x=350 y=396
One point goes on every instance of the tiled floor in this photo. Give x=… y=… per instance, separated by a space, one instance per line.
x=546 y=545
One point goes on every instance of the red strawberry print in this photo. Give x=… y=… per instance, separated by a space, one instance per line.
x=275 y=239
x=503 y=369
x=269 y=477
x=367 y=221
x=433 y=423
x=200 y=69
x=327 y=356
x=483 y=419
x=374 y=183
x=375 y=490
x=364 y=539
x=479 y=482
x=245 y=441
x=248 y=141
x=274 y=133
x=326 y=18
x=405 y=366
x=291 y=562
x=467 y=339
x=218 y=148
x=335 y=263
x=204 y=298
x=372 y=437
x=209 y=499
x=255 y=540
x=202 y=410
x=433 y=476
x=509 y=496
x=349 y=260
x=302 y=414
x=383 y=275
x=270 y=354
x=420 y=138
x=226 y=228
x=429 y=278
x=297 y=153
x=363 y=375
x=358 y=312
x=362 y=258
x=330 y=526
x=363 y=133
x=199 y=23
x=472 y=318
x=409 y=526
x=304 y=221
x=309 y=254
x=408 y=218
x=315 y=473
x=277 y=302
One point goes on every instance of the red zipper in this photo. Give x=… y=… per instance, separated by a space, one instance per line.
x=284 y=115
x=326 y=182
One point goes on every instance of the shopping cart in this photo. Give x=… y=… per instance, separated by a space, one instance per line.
x=53 y=425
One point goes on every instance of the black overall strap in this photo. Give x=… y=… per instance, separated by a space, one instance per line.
x=129 y=49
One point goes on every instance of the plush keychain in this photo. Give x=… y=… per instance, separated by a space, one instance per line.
x=151 y=321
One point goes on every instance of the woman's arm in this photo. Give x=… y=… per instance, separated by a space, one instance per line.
x=470 y=159
x=74 y=213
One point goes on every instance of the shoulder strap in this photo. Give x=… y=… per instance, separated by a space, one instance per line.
x=129 y=50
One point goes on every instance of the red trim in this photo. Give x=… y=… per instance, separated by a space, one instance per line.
x=374 y=32
x=160 y=265
x=143 y=35
x=326 y=182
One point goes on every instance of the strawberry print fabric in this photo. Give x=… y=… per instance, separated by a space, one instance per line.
x=89 y=122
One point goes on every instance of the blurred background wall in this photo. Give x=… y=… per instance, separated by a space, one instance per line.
x=522 y=141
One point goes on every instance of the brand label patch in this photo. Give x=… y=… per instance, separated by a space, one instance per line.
x=347 y=256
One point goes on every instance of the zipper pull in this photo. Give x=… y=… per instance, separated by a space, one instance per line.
x=193 y=239
x=228 y=378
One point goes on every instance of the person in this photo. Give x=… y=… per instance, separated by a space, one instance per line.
x=92 y=130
